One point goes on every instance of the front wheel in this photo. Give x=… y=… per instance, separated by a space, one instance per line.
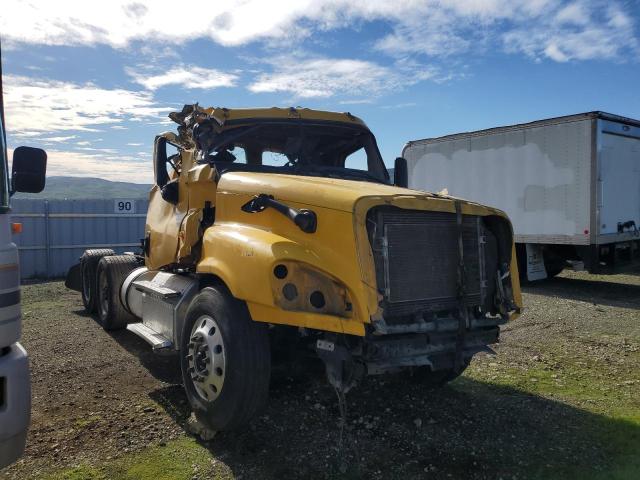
x=225 y=360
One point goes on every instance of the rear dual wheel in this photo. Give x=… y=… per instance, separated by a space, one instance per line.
x=88 y=267
x=225 y=360
x=111 y=272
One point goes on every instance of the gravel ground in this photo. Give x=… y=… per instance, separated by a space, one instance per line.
x=560 y=399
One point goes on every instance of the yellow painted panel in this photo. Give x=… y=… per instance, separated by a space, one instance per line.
x=264 y=313
x=243 y=248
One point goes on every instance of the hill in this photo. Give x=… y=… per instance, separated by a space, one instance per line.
x=58 y=188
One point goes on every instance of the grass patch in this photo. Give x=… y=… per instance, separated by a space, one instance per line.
x=178 y=459
x=80 y=472
x=86 y=421
x=609 y=394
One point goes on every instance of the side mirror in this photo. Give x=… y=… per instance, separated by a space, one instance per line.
x=29 y=170
x=400 y=175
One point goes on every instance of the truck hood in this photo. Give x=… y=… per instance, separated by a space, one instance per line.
x=334 y=193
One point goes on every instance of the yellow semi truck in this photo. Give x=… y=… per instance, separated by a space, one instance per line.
x=269 y=226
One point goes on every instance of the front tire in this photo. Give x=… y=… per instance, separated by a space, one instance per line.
x=225 y=360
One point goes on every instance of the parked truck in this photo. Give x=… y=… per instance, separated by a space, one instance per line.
x=571 y=186
x=28 y=175
x=273 y=227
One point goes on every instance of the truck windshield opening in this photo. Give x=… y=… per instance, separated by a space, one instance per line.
x=313 y=149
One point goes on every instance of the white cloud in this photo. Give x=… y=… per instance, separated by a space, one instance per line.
x=53 y=106
x=185 y=76
x=553 y=29
x=59 y=139
x=119 y=22
x=326 y=77
x=101 y=150
x=560 y=31
x=574 y=13
x=576 y=32
x=399 y=105
x=110 y=167
x=356 y=101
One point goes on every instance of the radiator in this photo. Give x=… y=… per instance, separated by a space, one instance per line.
x=416 y=258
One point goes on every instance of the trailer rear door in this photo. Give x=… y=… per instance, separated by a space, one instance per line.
x=619 y=176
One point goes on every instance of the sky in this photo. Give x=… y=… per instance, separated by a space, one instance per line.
x=92 y=82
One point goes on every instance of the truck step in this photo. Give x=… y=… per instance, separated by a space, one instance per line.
x=158 y=342
x=155 y=290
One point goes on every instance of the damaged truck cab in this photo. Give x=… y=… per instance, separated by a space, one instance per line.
x=265 y=221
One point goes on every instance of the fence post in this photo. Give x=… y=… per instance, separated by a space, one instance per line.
x=47 y=238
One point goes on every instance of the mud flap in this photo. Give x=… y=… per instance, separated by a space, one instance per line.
x=74 y=278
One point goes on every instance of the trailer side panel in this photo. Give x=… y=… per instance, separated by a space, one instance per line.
x=618 y=183
x=540 y=175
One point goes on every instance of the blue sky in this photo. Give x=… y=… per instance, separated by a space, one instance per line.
x=92 y=82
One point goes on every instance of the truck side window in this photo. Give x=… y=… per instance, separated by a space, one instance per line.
x=274 y=159
x=240 y=154
x=356 y=160
x=173 y=160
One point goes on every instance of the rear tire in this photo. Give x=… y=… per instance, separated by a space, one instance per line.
x=88 y=265
x=111 y=273
x=220 y=338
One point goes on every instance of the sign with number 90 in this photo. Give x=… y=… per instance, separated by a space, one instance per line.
x=124 y=206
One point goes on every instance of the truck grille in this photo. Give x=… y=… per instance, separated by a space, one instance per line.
x=416 y=258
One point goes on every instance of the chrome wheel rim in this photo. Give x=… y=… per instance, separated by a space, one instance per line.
x=206 y=358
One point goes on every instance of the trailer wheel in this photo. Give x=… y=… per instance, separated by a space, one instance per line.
x=225 y=360
x=112 y=271
x=88 y=265
x=553 y=264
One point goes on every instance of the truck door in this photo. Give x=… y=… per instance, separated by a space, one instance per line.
x=168 y=205
x=619 y=179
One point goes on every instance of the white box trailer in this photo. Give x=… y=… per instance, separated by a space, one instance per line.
x=571 y=185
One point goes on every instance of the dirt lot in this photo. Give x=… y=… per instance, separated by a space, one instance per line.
x=560 y=400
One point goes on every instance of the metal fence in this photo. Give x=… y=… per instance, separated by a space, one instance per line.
x=56 y=232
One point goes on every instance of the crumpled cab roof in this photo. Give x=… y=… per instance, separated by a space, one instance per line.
x=219 y=119
x=235 y=115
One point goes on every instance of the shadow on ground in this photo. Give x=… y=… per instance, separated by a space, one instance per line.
x=165 y=368
x=586 y=290
x=397 y=428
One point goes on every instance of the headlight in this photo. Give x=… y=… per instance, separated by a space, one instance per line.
x=300 y=287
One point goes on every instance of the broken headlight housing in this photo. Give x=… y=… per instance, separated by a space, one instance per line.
x=300 y=287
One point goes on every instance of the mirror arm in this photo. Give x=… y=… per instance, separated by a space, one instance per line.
x=306 y=220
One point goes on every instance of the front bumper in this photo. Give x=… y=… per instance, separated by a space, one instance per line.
x=440 y=350
x=15 y=403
